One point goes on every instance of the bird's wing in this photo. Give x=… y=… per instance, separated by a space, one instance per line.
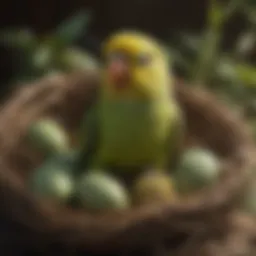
x=88 y=139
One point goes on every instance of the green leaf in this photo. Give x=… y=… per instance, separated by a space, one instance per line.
x=77 y=59
x=246 y=43
x=215 y=14
x=233 y=7
x=20 y=38
x=247 y=74
x=207 y=57
x=42 y=56
x=243 y=73
x=218 y=13
x=226 y=70
x=71 y=29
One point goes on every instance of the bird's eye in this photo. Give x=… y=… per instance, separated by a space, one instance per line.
x=117 y=56
x=143 y=59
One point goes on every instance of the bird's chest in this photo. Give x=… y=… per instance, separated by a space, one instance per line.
x=131 y=134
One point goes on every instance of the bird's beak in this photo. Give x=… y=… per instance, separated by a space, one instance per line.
x=118 y=72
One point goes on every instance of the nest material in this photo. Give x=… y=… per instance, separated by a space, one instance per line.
x=66 y=97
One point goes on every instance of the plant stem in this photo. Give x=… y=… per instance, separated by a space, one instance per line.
x=217 y=16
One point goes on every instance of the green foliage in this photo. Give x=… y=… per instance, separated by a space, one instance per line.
x=203 y=61
x=54 y=52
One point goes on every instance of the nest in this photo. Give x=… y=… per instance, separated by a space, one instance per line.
x=38 y=224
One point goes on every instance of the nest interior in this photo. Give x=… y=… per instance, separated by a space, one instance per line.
x=66 y=97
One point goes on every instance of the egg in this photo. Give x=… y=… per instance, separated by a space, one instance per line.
x=96 y=190
x=52 y=181
x=153 y=187
x=48 y=136
x=198 y=168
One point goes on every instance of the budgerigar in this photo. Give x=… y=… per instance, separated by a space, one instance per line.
x=136 y=120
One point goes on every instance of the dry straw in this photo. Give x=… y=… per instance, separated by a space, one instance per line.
x=39 y=224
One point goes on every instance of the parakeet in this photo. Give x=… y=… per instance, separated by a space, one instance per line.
x=136 y=120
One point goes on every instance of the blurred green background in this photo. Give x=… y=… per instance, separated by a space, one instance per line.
x=211 y=43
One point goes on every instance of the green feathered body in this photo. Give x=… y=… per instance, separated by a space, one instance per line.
x=133 y=133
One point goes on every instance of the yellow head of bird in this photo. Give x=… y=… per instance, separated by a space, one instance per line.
x=134 y=66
